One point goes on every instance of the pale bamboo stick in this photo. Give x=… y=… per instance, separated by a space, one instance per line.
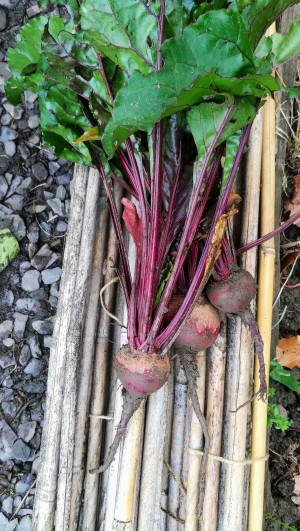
x=102 y=363
x=159 y=409
x=73 y=345
x=195 y=443
x=232 y=511
x=216 y=359
x=45 y=497
x=86 y=364
x=264 y=314
x=177 y=442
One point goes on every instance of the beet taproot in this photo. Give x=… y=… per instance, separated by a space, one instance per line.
x=232 y=294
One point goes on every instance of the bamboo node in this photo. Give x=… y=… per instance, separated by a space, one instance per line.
x=267 y=250
x=103 y=417
x=244 y=462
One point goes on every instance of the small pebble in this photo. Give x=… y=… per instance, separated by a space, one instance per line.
x=8 y=134
x=25 y=185
x=7 y=360
x=61 y=192
x=5 y=329
x=15 y=111
x=64 y=179
x=43 y=327
x=48 y=341
x=30 y=97
x=8 y=342
x=53 y=167
x=10 y=148
x=16 y=181
x=34 y=121
x=20 y=451
x=34 y=345
x=61 y=226
x=24 y=266
x=3 y=187
x=31 y=280
x=8 y=438
x=16 y=202
x=34 y=367
x=42 y=258
x=3 y=521
x=25 y=355
x=54 y=290
x=49 y=276
x=24 y=151
x=34 y=139
x=6 y=119
x=32 y=11
x=7 y=505
x=11 y=526
x=9 y=408
x=20 y=325
x=24 y=524
x=57 y=206
x=26 y=430
x=7 y=298
x=33 y=232
x=40 y=171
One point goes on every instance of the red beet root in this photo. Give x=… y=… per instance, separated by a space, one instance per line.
x=233 y=294
x=141 y=373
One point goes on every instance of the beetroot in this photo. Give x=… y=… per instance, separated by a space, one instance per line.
x=233 y=294
x=141 y=373
x=201 y=328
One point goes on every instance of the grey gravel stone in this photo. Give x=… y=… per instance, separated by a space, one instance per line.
x=25 y=355
x=32 y=11
x=24 y=524
x=11 y=526
x=36 y=387
x=15 y=279
x=16 y=181
x=7 y=439
x=34 y=139
x=57 y=206
x=20 y=325
x=53 y=301
x=48 y=341
x=24 y=266
x=53 y=167
x=33 y=232
x=49 y=276
x=9 y=408
x=8 y=134
x=7 y=505
x=16 y=202
x=34 y=367
x=42 y=258
x=43 y=327
x=3 y=19
x=64 y=179
x=7 y=299
x=54 y=290
x=10 y=148
x=15 y=111
x=31 y=280
x=6 y=119
x=5 y=73
x=13 y=222
x=8 y=342
x=25 y=185
x=3 y=521
x=21 y=487
x=32 y=250
x=40 y=171
x=7 y=360
x=20 y=450
x=61 y=192
x=34 y=121
x=5 y=329
x=30 y=97
x=61 y=226
x=3 y=187
x=25 y=512
x=34 y=346
x=24 y=151
x=26 y=430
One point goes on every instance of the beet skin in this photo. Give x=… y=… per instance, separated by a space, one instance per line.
x=234 y=294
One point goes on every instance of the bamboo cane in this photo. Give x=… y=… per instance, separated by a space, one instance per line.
x=158 y=412
x=45 y=497
x=177 y=442
x=100 y=384
x=264 y=315
x=73 y=345
x=231 y=510
x=216 y=358
x=194 y=461
x=86 y=364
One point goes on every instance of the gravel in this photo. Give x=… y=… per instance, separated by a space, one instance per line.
x=40 y=171
x=31 y=280
x=49 y=276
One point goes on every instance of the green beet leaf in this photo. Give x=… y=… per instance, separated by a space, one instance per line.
x=285 y=46
x=127 y=35
x=283 y=376
x=9 y=248
x=25 y=57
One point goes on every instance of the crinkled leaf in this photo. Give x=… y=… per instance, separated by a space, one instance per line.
x=24 y=58
x=72 y=6
x=127 y=34
x=283 y=376
x=286 y=46
x=9 y=248
x=258 y=15
x=205 y=120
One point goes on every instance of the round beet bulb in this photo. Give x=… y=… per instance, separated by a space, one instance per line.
x=233 y=294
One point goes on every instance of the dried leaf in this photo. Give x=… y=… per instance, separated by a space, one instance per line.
x=91 y=134
x=288 y=352
x=296 y=500
x=296 y=197
x=297 y=484
x=293 y=205
x=288 y=260
x=132 y=221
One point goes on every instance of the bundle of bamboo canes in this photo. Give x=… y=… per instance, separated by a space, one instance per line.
x=154 y=480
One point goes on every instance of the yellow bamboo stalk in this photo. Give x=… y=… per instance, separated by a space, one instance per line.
x=264 y=314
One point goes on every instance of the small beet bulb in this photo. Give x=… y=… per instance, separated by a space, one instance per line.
x=233 y=294
x=201 y=328
x=141 y=373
